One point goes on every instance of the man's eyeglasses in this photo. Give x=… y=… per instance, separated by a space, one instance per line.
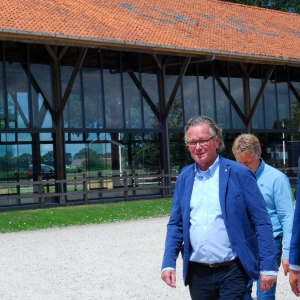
x=201 y=143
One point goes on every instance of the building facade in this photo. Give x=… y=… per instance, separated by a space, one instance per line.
x=104 y=111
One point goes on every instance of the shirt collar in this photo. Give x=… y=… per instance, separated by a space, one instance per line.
x=260 y=168
x=209 y=172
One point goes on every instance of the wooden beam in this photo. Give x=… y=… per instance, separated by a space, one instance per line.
x=260 y=92
x=176 y=87
x=230 y=98
x=295 y=92
x=68 y=90
x=157 y=61
x=145 y=94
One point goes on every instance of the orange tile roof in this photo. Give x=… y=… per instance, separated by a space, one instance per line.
x=198 y=27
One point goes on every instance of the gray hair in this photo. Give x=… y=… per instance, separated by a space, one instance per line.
x=215 y=130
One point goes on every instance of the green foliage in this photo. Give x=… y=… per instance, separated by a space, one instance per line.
x=295 y=122
x=68 y=158
x=25 y=160
x=14 y=221
x=175 y=116
x=146 y=155
x=283 y=5
x=82 y=154
x=74 y=110
x=48 y=158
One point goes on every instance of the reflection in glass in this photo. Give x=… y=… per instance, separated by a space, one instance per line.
x=93 y=102
x=17 y=89
x=258 y=117
x=283 y=101
x=149 y=82
x=223 y=106
x=191 y=97
x=132 y=101
x=270 y=102
x=73 y=116
x=2 y=111
x=207 y=96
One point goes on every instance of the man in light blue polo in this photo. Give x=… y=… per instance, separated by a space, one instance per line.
x=276 y=190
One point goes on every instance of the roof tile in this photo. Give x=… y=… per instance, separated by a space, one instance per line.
x=200 y=27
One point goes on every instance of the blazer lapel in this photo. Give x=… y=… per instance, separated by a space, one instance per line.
x=187 y=194
x=224 y=171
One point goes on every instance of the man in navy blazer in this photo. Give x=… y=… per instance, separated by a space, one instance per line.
x=294 y=271
x=218 y=222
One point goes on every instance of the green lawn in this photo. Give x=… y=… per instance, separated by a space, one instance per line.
x=14 y=221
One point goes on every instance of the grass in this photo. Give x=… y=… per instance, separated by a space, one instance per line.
x=14 y=221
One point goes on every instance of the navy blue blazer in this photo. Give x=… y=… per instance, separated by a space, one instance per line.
x=245 y=216
x=295 y=240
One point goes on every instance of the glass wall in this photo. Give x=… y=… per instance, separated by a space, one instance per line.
x=112 y=119
x=93 y=98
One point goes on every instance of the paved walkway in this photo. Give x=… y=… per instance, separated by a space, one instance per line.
x=117 y=261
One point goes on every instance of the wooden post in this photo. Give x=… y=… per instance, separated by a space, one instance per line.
x=125 y=186
x=17 y=176
x=162 y=183
x=100 y=181
x=134 y=182
x=85 y=189
x=75 y=183
x=40 y=191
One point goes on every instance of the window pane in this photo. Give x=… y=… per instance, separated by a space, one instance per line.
x=175 y=116
x=41 y=93
x=93 y=101
x=223 y=105
x=73 y=113
x=191 y=97
x=132 y=102
x=207 y=96
x=149 y=82
x=17 y=90
x=42 y=81
x=283 y=101
x=258 y=117
x=237 y=92
x=295 y=106
x=270 y=104
x=112 y=90
x=2 y=107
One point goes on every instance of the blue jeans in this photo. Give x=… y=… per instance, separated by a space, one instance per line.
x=219 y=283
x=270 y=294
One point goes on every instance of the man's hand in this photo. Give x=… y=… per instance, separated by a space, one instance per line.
x=285 y=265
x=295 y=282
x=169 y=277
x=266 y=282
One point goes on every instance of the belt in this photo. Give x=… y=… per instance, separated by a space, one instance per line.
x=220 y=264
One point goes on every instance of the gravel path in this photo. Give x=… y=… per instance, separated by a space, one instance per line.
x=117 y=261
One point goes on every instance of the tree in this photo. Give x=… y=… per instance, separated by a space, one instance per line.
x=25 y=160
x=81 y=154
x=283 y=5
x=68 y=158
x=145 y=155
x=7 y=161
x=295 y=122
x=48 y=158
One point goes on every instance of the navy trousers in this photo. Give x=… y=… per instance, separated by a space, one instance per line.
x=218 y=283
